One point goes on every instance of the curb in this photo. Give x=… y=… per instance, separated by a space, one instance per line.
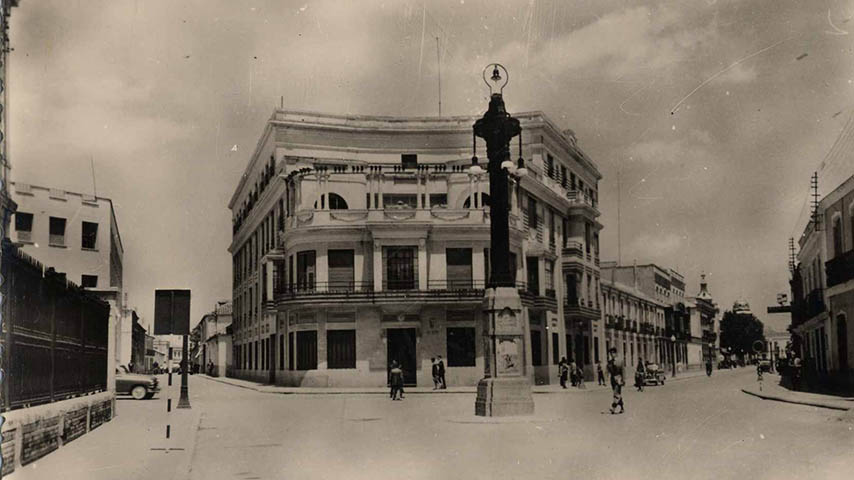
x=777 y=398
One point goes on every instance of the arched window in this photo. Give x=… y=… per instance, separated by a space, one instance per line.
x=336 y=202
x=484 y=201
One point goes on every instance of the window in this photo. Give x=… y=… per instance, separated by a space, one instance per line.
x=596 y=351
x=24 y=226
x=572 y=181
x=536 y=348
x=305 y=270
x=89 y=281
x=439 y=200
x=555 y=349
x=458 y=262
x=307 y=350
x=552 y=227
x=461 y=346
x=57 y=231
x=532 y=213
x=533 y=274
x=483 y=202
x=837 y=236
x=400 y=268
x=341 y=348
x=550 y=287
x=255 y=357
x=398 y=200
x=89 y=239
x=550 y=166
x=569 y=347
x=336 y=202
x=341 y=274
x=563 y=176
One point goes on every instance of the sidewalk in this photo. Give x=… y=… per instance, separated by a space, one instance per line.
x=537 y=389
x=131 y=446
x=771 y=390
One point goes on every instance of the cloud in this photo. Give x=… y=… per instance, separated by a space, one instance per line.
x=657 y=245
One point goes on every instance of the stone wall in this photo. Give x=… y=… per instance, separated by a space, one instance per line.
x=31 y=433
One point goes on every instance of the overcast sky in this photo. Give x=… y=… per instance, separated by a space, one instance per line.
x=158 y=93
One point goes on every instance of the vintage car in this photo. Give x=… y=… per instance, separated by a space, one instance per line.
x=654 y=375
x=137 y=385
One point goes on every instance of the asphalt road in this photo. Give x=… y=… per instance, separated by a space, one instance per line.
x=695 y=428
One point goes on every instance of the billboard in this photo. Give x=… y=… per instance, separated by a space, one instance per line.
x=171 y=312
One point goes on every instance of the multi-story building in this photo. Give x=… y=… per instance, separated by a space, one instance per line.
x=634 y=322
x=838 y=213
x=77 y=234
x=137 y=344
x=362 y=240
x=705 y=327
x=667 y=287
x=7 y=205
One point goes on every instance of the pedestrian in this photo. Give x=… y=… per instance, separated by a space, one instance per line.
x=616 y=369
x=639 y=374
x=563 y=371
x=396 y=381
x=131 y=367
x=600 y=374
x=156 y=368
x=442 y=373
x=210 y=367
x=579 y=375
x=573 y=379
x=796 y=373
x=435 y=371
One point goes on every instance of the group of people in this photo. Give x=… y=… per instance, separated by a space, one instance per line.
x=396 y=377
x=571 y=371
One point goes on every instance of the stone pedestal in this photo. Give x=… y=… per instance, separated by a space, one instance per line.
x=505 y=389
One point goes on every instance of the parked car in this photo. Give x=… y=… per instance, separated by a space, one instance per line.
x=137 y=385
x=764 y=365
x=654 y=375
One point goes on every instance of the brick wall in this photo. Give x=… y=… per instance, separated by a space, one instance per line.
x=39 y=438
x=100 y=413
x=8 y=448
x=74 y=424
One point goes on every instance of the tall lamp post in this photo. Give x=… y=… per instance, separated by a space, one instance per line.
x=505 y=389
x=673 y=358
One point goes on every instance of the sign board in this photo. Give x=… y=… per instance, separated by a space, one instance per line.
x=171 y=312
x=782 y=298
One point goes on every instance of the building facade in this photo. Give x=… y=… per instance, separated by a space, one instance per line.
x=634 y=323
x=77 y=234
x=362 y=240
x=214 y=351
x=838 y=213
x=667 y=287
x=7 y=205
x=705 y=326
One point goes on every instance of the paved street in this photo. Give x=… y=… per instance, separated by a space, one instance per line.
x=696 y=428
x=693 y=428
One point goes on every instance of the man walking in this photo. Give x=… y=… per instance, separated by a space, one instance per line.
x=442 y=373
x=600 y=374
x=435 y=372
x=616 y=369
x=563 y=371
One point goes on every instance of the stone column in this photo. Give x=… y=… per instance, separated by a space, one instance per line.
x=380 y=190
x=378 y=267
x=370 y=188
x=427 y=189
x=422 y=264
x=472 y=197
x=417 y=190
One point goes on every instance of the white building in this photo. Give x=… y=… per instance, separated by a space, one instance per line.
x=362 y=240
x=77 y=234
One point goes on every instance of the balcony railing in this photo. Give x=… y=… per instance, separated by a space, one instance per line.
x=840 y=269
x=814 y=303
x=580 y=198
x=579 y=307
x=573 y=249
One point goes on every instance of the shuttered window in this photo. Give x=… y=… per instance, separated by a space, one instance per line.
x=341 y=274
x=400 y=267
x=307 y=350
x=461 y=346
x=341 y=348
x=458 y=262
x=305 y=270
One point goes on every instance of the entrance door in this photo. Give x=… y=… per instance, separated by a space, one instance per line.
x=842 y=342
x=401 y=347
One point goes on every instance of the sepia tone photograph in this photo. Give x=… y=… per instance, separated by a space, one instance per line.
x=412 y=239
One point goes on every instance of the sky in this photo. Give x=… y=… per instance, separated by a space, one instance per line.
x=706 y=117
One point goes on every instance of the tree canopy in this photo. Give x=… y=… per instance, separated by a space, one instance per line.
x=739 y=331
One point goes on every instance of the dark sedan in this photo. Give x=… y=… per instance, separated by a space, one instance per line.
x=137 y=385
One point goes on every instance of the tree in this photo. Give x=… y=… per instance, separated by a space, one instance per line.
x=739 y=331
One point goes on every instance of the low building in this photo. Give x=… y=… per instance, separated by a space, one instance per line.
x=138 y=345
x=215 y=346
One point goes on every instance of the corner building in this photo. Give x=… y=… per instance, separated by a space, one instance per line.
x=362 y=240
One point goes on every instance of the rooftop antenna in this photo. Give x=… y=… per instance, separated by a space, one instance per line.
x=94 y=186
x=439 y=63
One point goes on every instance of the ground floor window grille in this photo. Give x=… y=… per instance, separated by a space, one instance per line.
x=461 y=346
x=341 y=348
x=307 y=350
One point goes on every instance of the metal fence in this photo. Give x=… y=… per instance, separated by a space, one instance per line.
x=54 y=334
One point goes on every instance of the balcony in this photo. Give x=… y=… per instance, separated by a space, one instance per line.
x=579 y=308
x=581 y=199
x=840 y=269
x=813 y=304
x=390 y=215
x=363 y=292
x=532 y=299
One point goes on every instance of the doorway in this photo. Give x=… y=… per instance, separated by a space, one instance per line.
x=401 y=347
x=842 y=342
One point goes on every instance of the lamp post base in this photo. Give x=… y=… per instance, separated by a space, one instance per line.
x=503 y=397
